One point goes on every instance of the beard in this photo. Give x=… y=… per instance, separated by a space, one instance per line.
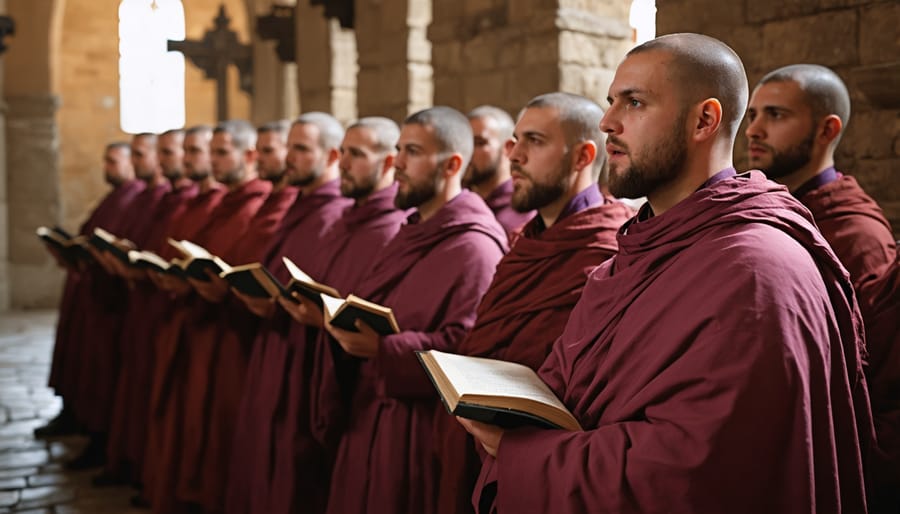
x=114 y=181
x=356 y=190
x=297 y=180
x=475 y=176
x=790 y=160
x=419 y=192
x=174 y=174
x=198 y=175
x=538 y=194
x=272 y=176
x=652 y=168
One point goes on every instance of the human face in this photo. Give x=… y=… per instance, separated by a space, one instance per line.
x=780 y=129
x=418 y=166
x=645 y=126
x=170 y=154
x=271 y=150
x=540 y=160
x=143 y=157
x=306 y=159
x=487 y=153
x=116 y=166
x=197 y=159
x=361 y=164
x=228 y=164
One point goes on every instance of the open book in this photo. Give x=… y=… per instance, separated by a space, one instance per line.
x=254 y=280
x=105 y=241
x=506 y=394
x=145 y=259
x=198 y=259
x=304 y=285
x=68 y=247
x=343 y=313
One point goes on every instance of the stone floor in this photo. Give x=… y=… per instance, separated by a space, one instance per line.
x=32 y=478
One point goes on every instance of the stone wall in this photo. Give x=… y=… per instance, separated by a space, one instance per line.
x=504 y=52
x=858 y=39
x=326 y=56
x=395 y=74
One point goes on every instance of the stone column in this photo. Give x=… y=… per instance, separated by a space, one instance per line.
x=506 y=52
x=326 y=57
x=33 y=197
x=275 y=93
x=395 y=74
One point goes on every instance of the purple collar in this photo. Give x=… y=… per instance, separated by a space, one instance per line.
x=826 y=176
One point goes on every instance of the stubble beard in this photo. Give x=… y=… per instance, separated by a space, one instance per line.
x=653 y=168
x=788 y=161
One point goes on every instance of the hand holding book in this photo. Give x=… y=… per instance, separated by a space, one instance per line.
x=363 y=343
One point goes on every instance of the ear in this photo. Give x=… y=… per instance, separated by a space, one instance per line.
x=830 y=128
x=250 y=155
x=388 y=162
x=334 y=156
x=708 y=118
x=453 y=165
x=585 y=153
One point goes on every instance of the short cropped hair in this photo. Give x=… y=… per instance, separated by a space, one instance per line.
x=331 y=133
x=505 y=123
x=825 y=92
x=580 y=119
x=242 y=132
x=385 y=130
x=451 y=130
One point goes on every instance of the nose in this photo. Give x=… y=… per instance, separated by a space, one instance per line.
x=610 y=123
x=513 y=149
x=754 y=129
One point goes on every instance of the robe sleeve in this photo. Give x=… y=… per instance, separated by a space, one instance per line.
x=459 y=278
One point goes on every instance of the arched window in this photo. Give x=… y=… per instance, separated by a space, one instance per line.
x=151 y=79
x=643 y=20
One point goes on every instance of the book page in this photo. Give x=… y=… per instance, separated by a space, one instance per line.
x=296 y=273
x=489 y=377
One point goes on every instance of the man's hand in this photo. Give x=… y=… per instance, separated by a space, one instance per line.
x=262 y=307
x=488 y=435
x=214 y=290
x=362 y=344
x=306 y=312
x=175 y=285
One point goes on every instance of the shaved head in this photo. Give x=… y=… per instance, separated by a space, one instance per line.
x=704 y=67
x=824 y=91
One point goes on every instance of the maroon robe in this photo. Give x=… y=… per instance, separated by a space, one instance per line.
x=100 y=358
x=501 y=205
x=181 y=407
x=715 y=365
x=883 y=374
x=110 y=210
x=855 y=227
x=311 y=216
x=146 y=305
x=432 y=275
x=535 y=288
x=236 y=327
x=302 y=461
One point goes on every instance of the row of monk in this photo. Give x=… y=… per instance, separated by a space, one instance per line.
x=712 y=343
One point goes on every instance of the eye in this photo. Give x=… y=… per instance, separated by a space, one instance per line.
x=634 y=103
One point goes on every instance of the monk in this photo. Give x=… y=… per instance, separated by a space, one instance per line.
x=180 y=402
x=119 y=174
x=432 y=274
x=312 y=161
x=713 y=362
x=100 y=357
x=797 y=116
x=303 y=456
x=557 y=160
x=488 y=172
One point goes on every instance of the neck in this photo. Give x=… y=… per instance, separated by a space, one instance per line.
x=450 y=191
x=550 y=212
x=794 y=180
x=180 y=182
x=484 y=189
x=207 y=184
x=156 y=180
x=330 y=173
x=249 y=176
x=693 y=174
x=280 y=184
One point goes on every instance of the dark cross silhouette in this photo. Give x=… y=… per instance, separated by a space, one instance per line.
x=212 y=54
x=279 y=25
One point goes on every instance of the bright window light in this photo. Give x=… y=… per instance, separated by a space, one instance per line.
x=151 y=79
x=643 y=20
